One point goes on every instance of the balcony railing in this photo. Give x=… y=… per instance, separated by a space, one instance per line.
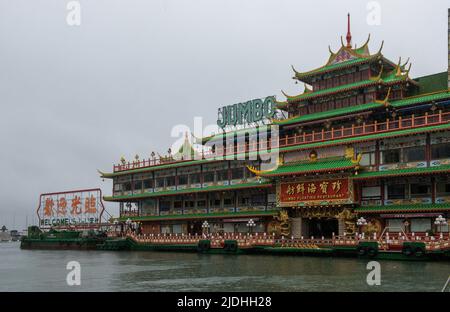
x=367 y=129
x=304 y=138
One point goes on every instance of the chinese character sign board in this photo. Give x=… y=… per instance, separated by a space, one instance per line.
x=316 y=192
x=70 y=208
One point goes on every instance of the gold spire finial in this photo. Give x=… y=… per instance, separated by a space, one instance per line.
x=349 y=35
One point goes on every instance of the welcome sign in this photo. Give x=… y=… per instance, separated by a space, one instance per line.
x=78 y=207
x=247 y=112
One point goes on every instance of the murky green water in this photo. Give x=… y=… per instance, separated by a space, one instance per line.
x=38 y=270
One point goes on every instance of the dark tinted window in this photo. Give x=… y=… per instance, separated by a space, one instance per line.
x=414 y=154
x=182 y=180
x=208 y=177
x=396 y=191
x=148 y=183
x=391 y=156
x=440 y=151
x=420 y=189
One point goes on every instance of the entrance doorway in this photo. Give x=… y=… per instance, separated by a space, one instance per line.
x=323 y=227
x=195 y=227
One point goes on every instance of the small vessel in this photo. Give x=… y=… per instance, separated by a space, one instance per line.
x=4 y=234
x=15 y=235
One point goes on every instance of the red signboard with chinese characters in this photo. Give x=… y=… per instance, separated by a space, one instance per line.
x=322 y=191
x=70 y=208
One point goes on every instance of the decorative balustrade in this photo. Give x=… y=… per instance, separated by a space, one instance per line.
x=262 y=239
x=133 y=213
x=304 y=138
x=387 y=239
x=217 y=240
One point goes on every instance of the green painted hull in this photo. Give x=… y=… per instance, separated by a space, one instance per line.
x=127 y=244
x=60 y=243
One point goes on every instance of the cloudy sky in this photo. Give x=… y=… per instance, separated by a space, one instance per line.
x=74 y=99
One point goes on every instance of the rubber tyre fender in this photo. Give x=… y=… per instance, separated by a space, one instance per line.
x=361 y=250
x=203 y=246
x=372 y=252
x=232 y=246
x=407 y=251
x=419 y=252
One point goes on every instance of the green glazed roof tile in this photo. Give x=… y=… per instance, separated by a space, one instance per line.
x=354 y=85
x=363 y=107
x=358 y=84
x=325 y=165
x=344 y=64
x=421 y=99
x=402 y=172
x=229 y=134
x=402 y=208
x=433 y=82
x=330 y=113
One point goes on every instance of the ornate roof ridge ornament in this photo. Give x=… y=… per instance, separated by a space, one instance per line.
x=385 y=101
x=280 y=162
x=403 y=66
x=286 y=95
x=329 y=49
x=366 y=56
x=342 y=42
x=381 y=48
x=378 y=78
x=354 y=158
x=366 y=43
x=407 y=71
x=398 y=70
x=307 y=90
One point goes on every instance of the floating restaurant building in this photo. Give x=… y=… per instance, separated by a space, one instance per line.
x=364 y=139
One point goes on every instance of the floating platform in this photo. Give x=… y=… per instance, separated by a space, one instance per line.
x=61 y=240
x=370 y=249
x=416 y=251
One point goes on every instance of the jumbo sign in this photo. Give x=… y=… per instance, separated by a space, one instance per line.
x=247 y=112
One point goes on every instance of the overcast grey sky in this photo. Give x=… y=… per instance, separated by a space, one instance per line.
x=76 y=98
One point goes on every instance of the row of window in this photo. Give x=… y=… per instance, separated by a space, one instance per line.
x=341 y=80
x=415 y=225
x=409 y=154
x=215 y=201
x=187 y=179
x=399 y=191
x=405 y=191
x=335 y=104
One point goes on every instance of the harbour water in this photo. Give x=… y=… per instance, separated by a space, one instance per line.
x=41 y=270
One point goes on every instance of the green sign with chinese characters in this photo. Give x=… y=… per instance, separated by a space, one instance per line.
x=247 y=112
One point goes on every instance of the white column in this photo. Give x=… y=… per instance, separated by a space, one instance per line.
x=296 y=227
x=341 y=226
